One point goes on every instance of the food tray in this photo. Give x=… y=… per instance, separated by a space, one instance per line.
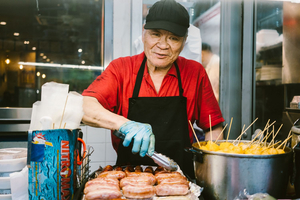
x=12 y=165
x=5 y=197
x=194 y=191
x=4 y=183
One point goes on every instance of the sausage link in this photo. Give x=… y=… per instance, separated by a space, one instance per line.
x=107 y=168
x=129 y=168
x=149 y=169
x=139 y=180
x=137 y=174
x=113 y=181
x=103 y=194
x=139 y=191
x=138 y=169
x=118 y=168
x=159 y=169
x=100 y=186
x=113 y=174
x=171 y=189
x=173 y=180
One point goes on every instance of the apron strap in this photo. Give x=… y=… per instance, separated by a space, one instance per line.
x=139 y=79
x=179 y=80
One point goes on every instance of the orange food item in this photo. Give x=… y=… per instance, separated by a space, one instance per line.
x=173 y=180
x=171 y=189
x=105 y=180
x=138 y=191
x=112 y=174
x=211 y=146
x=224 y=145
x=138 y=180
x=103 y=194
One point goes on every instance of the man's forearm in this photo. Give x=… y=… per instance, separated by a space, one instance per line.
x=214 y=134
x=97 y=116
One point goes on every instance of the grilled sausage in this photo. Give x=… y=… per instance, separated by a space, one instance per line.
x=100 y=186
x=159 y=169
x=159 y=176
x=118 y=168
x=105 y=180
x=137 y=174
x=107 y=168
x=149 y=170
x=112 y=174
x=139 y=180
x=138 y=191
x=138 y=169
x=171 y=189
x=129 y=168
x=103 y=194
x=173 y=180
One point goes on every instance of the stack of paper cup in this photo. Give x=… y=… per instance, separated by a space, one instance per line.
x=11 y=160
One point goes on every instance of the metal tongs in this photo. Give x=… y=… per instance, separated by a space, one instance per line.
x=158 y=158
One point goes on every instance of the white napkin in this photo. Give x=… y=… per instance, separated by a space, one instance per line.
x=73 y=111
x=54 y=96
x=19 y=184
x=57 y=109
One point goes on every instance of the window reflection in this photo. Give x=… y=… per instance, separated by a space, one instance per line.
x=207 y=19
x=62 y=33
x=277 y=61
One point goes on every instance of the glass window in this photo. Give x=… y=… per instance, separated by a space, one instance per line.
x=277 y=64
x=206 y=16
x=48 y=40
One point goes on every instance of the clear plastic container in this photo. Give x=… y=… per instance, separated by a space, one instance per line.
x=4 y=183
x=12 y=159
x=5 y=197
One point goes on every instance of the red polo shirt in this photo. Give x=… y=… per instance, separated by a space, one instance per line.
x=115 y=85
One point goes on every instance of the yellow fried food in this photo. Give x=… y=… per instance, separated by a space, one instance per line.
x=255 y=146
x=211 y=146
x=253 y=151
x=270 y=151
x=224 y=145
x=237 y=150
x=243 y=146
x=280 y=151
x=262 y=149
x=232 y=149
x=204 y=148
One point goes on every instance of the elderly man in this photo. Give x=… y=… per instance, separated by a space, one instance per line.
x=151 y=97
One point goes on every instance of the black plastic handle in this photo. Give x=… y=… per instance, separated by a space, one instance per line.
x=198 y=155
x=119 y=134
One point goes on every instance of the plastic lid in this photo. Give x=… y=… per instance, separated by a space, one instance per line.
x=12 y=153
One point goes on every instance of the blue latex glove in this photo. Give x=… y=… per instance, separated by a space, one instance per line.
x=144 y=140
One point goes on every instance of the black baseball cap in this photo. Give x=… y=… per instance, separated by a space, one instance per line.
x=170 y=16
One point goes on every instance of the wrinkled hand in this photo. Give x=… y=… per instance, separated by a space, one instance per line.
x=144 y=140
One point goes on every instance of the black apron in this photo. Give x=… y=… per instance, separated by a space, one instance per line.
x=168 y=118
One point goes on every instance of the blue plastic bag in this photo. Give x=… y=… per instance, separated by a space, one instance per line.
x=52 y=164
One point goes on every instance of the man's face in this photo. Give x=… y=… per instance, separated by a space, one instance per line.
x=161 y=47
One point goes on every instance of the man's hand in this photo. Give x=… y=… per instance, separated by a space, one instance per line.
x=144 y=140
